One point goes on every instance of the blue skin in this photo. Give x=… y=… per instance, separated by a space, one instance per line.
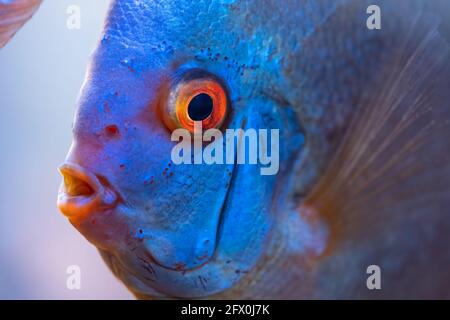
x=190 y=230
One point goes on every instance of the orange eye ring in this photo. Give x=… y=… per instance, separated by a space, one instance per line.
x=177 y=115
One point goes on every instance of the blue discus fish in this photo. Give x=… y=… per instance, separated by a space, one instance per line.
x=364 y=154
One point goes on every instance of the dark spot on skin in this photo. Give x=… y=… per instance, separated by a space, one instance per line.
x=140 y=231
x=164 y=172
x=171 y=174
x=122 y=166
x=127 y=63
x=228 y=261
x=131 y=69
x=112 y=130
x=149 y=181
x=93 y=221
x=179 y=266
x=238 y=271
x=106 y=106
x=169 y=164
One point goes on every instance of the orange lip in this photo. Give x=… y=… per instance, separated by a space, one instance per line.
x=81 y=192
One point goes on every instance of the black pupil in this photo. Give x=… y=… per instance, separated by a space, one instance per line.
x=200 y=107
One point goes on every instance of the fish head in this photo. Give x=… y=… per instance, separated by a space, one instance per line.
x=167 y=228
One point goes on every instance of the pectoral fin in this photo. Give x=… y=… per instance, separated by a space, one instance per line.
x=386 y=194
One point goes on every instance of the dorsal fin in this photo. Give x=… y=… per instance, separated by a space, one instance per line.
x=13 y=14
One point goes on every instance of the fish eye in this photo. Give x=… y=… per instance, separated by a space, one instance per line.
x=197 y=96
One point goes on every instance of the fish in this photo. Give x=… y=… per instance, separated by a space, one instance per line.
x=364 y=156
x=13 y=15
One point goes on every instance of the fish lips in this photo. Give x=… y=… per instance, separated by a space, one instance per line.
x=81 y=193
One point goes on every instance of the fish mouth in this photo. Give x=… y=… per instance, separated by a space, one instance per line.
x=82 y=192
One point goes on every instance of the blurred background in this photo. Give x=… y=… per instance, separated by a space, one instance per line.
x=41 y=71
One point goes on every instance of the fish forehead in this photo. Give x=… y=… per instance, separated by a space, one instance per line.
x=297 y=50
x=237 y=39
x=194 y=22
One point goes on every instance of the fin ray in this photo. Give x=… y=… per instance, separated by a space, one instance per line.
x=13 y=15
x=398 y=140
